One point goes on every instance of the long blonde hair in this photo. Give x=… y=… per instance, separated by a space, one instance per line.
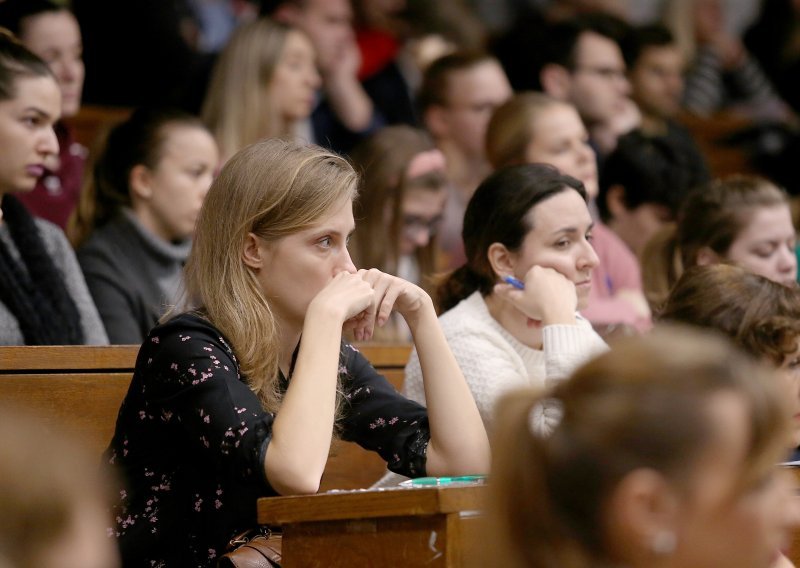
x=239 y=108
x=272 y=189
x=645 y=404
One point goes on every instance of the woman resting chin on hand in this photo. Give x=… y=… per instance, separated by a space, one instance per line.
x=240 y=397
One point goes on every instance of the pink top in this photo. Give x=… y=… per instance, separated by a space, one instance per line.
x=618 y=270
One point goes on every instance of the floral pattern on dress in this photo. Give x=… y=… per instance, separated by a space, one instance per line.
x=191 y=438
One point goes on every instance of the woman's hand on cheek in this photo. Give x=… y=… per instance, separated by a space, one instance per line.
x=549 y=296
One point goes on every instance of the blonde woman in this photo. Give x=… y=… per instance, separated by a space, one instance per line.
x=227 y=404
x=262 y=86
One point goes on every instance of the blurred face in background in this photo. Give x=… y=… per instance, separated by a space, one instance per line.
x=559 y=138
x=296 y=79
x=472 y=96
x=168 y=198
x=767 y=245
x=56 y=38
x=598 y=85
x=657 y=81
x=423 y=200
x=329 y=24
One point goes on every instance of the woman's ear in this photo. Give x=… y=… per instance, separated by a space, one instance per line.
x=501 y=259
x=615 y=201
x=140 y=182
x=252 y=255
x=642 y=517
x=556 y=80
x=707 y=257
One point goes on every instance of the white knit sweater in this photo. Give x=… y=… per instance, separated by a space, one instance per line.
x=494 y=362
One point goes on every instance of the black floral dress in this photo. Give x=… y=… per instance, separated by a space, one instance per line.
x=191 y=437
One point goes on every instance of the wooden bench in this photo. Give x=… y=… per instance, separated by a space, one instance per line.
x=712 y=135
x=80 y=388
x=94 y=120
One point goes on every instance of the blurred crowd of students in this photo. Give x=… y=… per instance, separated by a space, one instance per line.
x=551 y=149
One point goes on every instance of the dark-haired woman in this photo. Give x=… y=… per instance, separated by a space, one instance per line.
x=137 y=215
x=532 y=223
x=43 y=296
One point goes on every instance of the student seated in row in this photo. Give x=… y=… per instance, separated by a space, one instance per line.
x=136 y=216
x=745 y=220
x=240 y=396
x=43 y=296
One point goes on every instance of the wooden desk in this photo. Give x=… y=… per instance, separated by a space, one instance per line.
x=436 y=526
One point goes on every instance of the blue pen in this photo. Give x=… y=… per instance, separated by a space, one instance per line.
x=518 y=284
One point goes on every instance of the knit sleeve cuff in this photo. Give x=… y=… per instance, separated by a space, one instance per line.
x=567 y=339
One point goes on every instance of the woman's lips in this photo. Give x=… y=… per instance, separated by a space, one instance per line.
x=35 y=170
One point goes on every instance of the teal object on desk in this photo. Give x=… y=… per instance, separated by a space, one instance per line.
x=436 y=481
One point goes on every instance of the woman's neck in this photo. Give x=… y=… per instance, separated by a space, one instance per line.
x=521 y=327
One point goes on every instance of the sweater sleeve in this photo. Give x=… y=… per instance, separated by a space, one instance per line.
x=566 y=347
x=489 y=363
x=112 y=301
x=64 y=258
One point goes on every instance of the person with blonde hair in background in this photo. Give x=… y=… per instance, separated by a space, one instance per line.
x=240 y=396
x=744 y=220
x=53 y=497
x=665 y=457
x=271 y=68
x=535 y=127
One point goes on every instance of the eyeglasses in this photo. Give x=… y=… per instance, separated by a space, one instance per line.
x=607 y=73
x=413 y=225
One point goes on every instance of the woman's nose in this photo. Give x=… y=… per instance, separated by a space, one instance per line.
x=48 y=142
x=347 y=263
x=588 y=258
x=788 y=261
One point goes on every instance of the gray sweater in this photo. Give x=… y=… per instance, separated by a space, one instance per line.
x=133 y=276
x=63 y=257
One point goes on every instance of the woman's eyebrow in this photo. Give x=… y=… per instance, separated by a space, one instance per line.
x=572 y=230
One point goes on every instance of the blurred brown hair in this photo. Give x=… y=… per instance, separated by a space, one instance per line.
x=645 y=404
x=761 y=316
